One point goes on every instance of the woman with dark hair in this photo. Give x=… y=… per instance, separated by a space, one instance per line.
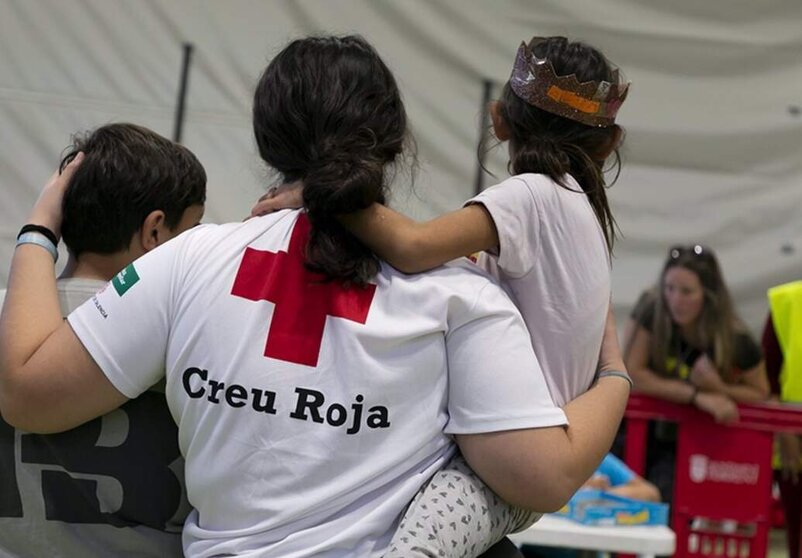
x=315 y=388
x=548 y=233
x=689 y=346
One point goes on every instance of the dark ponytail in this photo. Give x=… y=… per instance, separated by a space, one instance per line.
x=328 y=111
x=546 y=143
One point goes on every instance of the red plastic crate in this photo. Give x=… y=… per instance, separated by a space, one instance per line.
x=723 y=475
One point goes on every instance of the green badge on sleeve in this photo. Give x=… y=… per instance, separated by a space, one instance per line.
x=124 y=280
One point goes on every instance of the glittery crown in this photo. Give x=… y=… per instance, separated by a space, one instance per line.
x=594 y=103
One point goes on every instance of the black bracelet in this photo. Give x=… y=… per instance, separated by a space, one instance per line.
x=51 y=236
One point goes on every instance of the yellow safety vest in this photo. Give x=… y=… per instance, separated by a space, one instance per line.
x=785 y=302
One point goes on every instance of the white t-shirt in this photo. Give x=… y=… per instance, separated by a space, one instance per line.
x=307 y=434
x=553 y=260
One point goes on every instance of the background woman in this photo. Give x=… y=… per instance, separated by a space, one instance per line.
x=688 y=346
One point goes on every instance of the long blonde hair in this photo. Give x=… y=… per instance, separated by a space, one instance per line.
x=718 y=322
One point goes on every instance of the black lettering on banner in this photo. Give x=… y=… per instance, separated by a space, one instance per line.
x=151 y=491
x=10 y=501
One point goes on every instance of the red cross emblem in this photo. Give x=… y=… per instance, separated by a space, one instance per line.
x=302 y=299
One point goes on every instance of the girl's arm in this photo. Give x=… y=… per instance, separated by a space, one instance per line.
x=413 y=247
x=405 y=244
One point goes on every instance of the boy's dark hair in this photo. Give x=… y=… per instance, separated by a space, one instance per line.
x=553 y=145
x=128 y=172
x=327 y=110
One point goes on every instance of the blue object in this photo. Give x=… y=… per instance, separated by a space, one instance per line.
x=615 y=470
x=595 y=507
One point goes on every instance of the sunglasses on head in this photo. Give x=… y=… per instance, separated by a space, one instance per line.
x=696 y=250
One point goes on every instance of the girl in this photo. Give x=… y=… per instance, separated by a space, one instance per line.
x=547 y=232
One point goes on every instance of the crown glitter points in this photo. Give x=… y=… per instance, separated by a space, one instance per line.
x=594 y=103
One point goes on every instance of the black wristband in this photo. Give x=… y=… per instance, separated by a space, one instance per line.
x=51 y=236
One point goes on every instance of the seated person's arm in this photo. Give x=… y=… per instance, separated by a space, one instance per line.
x=638 y=489
x=615 y=477
x=752 y=385
x=646 y=380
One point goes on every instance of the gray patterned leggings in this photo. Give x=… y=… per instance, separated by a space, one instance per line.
x=456 y=515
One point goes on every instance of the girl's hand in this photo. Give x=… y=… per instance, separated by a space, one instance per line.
x=286 y=196
x=723 y=409
x=47 y=209
x=705 y=376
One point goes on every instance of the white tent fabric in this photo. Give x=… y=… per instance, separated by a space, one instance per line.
x=714 y=132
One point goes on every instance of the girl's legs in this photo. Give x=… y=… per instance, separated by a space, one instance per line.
x=455 y=515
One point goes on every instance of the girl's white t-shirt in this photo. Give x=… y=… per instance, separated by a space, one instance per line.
x=553 y=260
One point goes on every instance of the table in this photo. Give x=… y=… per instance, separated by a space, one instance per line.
x=646 y=541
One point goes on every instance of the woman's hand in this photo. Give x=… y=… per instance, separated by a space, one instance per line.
x=723 y=409
x=47 y=209
x=705 y=376
x=286 y=196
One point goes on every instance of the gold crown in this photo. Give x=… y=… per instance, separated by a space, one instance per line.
x=594 y=103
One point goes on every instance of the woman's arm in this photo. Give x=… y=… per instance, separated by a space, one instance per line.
x=541 y=468
x=752 y=385
x=413 y=247
x=719 y=405
x=647 y=381
x=48 y=382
